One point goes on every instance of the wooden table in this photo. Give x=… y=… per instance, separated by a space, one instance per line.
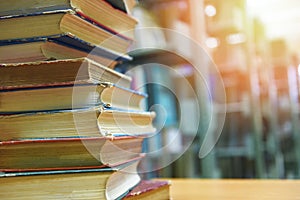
x=227 y=189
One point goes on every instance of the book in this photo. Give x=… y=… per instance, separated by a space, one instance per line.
x=47 y=73
x=89 y=122
x=55 y=154
x=129 y=5
x=71 y=42
x=110 y=14
x=60 y=24
x=150 y=189
x=119 y=4
x=69 y=96
x=96 y=183
x=34 y=6
x=42 y=50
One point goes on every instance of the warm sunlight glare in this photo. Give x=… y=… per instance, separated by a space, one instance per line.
x=280 y=19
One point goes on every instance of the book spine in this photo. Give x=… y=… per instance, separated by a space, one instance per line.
x=34 y=10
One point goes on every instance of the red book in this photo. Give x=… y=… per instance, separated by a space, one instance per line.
x=150 y=189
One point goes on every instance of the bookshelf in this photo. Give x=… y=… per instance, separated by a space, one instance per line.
x=283 y=97
x=180 y=58
x=249 y=145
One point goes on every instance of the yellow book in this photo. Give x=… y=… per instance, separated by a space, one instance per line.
x=69 y=96
x=48 y=73
x=65 y=153
x=98 y=10
x=88 y=184
x=90 y=122
x=61 y=24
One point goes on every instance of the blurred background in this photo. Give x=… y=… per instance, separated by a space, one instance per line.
x=253 y=46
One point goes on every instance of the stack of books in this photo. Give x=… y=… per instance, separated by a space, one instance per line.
x=71 y=127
